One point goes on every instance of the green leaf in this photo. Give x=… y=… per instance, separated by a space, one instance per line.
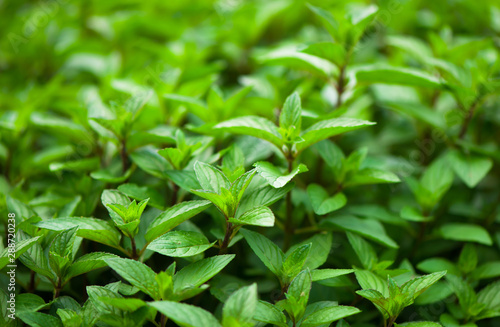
x=328 y=128
x=35 y=259
x=38 y=319
x=467 y=261
x=129 y=305
x=20 y=247
x=180 y=244
x=397 y=75
x=239 y=186
x=465 y=233
x=432 y=265
x=371 y=229
x=470 y=168
x=240 y=306
x=29 y=302
x=186 y=315
x=88 y=262
x=370 y=281
x=254 y=126
x=260 y=216
x=273 y=174
x=137 y=274
x=301 y=61
x=490 y=296
x=368 y=176
x=321 y=203
x=268 y=313
x=151 y=162
x=290 y=117
x=437 y=179
x=90 y=228
x=321 y=246
x=199 y=272
x=328 y=315
x=298 y=295
x=211 y=178
x=174 y=216
x=294 y=261
x=196 y=106
x=69 y=318
x=419 y=324
x=263 y=196
x=322 y=274
x=328 y=21
x=364 y=250
x=268 y=252
x=416 y=286
x=487 y=270
x=333 y=52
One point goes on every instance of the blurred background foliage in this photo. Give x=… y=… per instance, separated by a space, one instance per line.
x=65 y=64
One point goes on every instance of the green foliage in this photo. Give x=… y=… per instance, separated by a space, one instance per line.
x=250 y=163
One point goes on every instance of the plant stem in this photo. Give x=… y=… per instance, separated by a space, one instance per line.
x=340 y=85
x=289 y=230
x=175 y=193
x=8 y=162
x=163 y=320
x=468 y=118
x=124 y=156
x=57 y=288
x=227 y=238
x=134 y=249
x=31 y=285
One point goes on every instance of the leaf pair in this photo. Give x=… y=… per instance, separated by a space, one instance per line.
x=226 y=196
x=300 y=312
x=58 y=264
x=310 y=254
x=237 y=311
x=289 y=137
x=169 y=285
x=390 y=298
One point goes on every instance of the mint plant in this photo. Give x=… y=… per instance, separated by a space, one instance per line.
x=249 y=163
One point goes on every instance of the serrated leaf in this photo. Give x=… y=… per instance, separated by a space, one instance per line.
x=197 y=273
x=186 y=315
x=371 y=229
x=263 y=196
x=254 y=126
x=180 y=244
x=268 y=252
x=321 y=202
x=88 y=262
x=240 y=306
x=137 y=274
x=173 y=216
x=291 y=114
x=322 y=274
x=470 y=168
x=273 y=174
x=259 y=216
x=465 y=233
x=291 y=58
x=397 y=75
x=328 y=315
x=38 y=319
x=268 y=313
x=328 y=128
x=211 y=178
x=90 y=228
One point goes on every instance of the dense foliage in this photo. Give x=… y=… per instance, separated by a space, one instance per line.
x=250 y=163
